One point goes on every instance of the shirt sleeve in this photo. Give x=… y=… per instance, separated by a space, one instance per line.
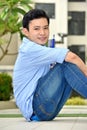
x=38 y=54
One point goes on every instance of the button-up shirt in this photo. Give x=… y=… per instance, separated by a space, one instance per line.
x=33 y=62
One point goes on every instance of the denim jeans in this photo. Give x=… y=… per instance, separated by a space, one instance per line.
x=55 y=88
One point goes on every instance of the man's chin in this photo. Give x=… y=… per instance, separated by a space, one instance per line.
x=42 y=44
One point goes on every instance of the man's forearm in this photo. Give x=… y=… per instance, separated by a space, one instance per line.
x=75 y=59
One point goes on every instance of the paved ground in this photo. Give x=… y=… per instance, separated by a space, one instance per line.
x=59 y=123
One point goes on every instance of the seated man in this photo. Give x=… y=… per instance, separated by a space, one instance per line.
x=39 y=90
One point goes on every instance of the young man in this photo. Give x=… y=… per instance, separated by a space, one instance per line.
x=40 y=91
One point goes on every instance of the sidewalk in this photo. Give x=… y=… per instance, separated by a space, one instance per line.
x=59 y=123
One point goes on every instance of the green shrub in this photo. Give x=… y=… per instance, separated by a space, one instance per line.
x=5 y=86
x=76 y=101
x=75 y=94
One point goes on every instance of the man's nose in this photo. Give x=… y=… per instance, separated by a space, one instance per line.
x=42 y=31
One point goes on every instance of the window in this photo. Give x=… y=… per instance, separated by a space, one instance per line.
x=76 y=0
x=49 y=8
x=76 y=23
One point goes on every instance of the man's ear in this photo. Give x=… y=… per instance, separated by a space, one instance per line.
x=25 y=31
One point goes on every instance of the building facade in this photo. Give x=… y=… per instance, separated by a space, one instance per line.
x=68 y=22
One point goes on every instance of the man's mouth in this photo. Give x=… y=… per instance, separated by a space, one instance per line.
x=42 y=38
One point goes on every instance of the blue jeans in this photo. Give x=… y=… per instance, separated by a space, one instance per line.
x=55 y=88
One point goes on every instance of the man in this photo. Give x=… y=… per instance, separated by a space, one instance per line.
x=39 y=90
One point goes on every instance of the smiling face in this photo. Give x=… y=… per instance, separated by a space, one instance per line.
x=38 y=31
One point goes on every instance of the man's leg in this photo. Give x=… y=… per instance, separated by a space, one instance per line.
x=51 y=94
x=54 y=89
x=75 y=78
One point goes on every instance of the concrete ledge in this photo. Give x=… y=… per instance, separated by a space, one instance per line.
x=7 y=105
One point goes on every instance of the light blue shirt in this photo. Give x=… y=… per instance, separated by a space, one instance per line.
x=33 y=62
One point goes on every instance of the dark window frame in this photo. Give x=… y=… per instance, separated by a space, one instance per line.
x=49 y=8
x=76 y=0
x=76 y=23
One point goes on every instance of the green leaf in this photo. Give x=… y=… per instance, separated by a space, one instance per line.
x=2 y=26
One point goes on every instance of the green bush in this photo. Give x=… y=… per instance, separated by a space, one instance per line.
x=5 y=86
x=75 y=94
x=76 y=101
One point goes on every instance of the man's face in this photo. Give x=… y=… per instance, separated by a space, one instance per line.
x=38 y=31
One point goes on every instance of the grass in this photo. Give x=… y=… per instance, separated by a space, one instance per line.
x=72 y=115
x=60 y=115
x=10 y=115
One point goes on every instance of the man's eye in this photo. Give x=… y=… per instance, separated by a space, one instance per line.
x=45 y=27
x=36 y=28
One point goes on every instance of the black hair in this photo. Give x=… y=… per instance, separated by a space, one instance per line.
x=33 y=14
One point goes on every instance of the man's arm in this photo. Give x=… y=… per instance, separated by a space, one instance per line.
x=75 y=59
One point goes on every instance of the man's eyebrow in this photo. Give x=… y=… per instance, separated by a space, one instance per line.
x=47 y=25
x=40 y=26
